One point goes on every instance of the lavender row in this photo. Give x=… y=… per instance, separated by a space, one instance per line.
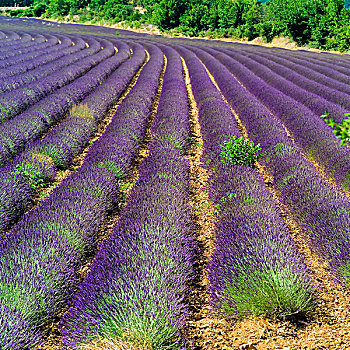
x=311 y=75
x=304 y=81
x=308 y=130
x=140 y=276
x=334 y=64
x=21 y=59
x=32 y=61
x=41 y=57
x=255 y=267
x=40 y=162
x=46 y=248
x=135 y=107
x=326 y=70
x=315 y=103
x=15 y=102
x=71 y=136
x=17 y=133
x=320 y=210
x=12 y=38
x=49 y=42
x=49 y=64
x=173 y=106
x=55 y=237
x=38 y=42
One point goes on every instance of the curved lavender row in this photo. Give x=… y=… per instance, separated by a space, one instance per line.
x=311 y=74
x=64 y=225
x=8 y=62
x=59 y=147
x=17 y=133
x=318 y=57
x=49 y=64
x=336 y=63
x=13 y=38
x=9 y=38
x=70 y=137
x=304 y=82
x=316 y=206
x=34 y=38
x=173 y=109
x=309 y=131
x=140 y=276
x=24 y=37
x=133 y=111
x=15 y=102
x=206 y=95
x=2 y=35
x=342 y=63
x=315 y=103
x=49 y=42
x=254 y=252
x=30 y=61
x=36 y=41
x=325 y=69
x=27 y=49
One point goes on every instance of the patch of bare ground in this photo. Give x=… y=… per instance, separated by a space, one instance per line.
x=53 y=335
x=200 y=319
x=326 y=328
x=104 y=344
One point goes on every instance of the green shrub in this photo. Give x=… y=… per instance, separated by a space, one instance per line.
x=33 y=176
x=238 y=151
x=342 y=131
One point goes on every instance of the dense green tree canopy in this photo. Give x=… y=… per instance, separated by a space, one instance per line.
x=319 y=23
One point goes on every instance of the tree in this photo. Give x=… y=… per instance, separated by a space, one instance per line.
x=167 y=13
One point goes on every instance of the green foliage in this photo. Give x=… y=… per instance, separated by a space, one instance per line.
x=117 y=10
x=341 y=131
x=167 y=13
x=324 y=24
x=312 y=22
x=238 y=151
x=39 y=8
x=266 y=292
x=33 y=176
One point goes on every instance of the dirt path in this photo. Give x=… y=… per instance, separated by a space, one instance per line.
x=203 y=329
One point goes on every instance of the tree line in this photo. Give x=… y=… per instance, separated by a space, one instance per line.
x=322 y=24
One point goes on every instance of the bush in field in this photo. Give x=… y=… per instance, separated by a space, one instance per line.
x=238 y=151
x=342 y=131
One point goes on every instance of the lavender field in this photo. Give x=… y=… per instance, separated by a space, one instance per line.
x=122 y=227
